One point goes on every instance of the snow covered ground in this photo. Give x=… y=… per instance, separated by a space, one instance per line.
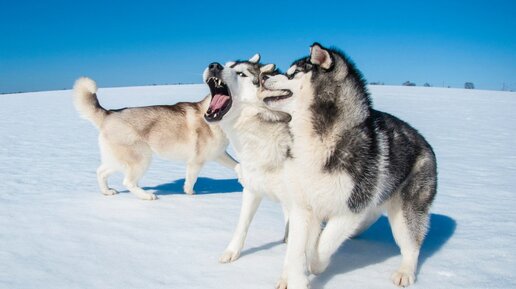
x=58 y=231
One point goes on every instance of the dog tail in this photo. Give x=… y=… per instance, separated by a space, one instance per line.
x=86 y=102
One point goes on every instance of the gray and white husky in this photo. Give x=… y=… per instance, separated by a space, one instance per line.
x=259 y=136
x=349 y=163
x=128 y=137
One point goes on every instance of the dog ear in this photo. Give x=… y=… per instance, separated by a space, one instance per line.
x=320 y=56
x=291 y=70
x=268 y=68
x=255 y=58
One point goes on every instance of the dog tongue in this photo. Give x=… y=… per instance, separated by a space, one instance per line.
x=218 y=101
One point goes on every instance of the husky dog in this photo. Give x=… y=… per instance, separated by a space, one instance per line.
x=350 y=163
x=128 y=137
x=259 y=136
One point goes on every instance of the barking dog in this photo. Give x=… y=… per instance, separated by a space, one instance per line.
x=128 y=137
x=351 y=162
x=259 y=135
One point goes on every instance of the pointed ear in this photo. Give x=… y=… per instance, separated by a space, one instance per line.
x=291 y=70
x=320 y=56
x=267 y=68
x=255 y=58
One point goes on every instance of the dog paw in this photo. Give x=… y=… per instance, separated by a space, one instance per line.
x=316 y=267
x=229 y=256
x=282 y=284
x=403 y=279
x=110 y=192
x=148 y=197
x=189 y=192
x=301 y=283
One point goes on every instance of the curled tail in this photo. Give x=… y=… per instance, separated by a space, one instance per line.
x=86 y=102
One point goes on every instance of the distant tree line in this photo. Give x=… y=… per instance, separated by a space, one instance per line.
x=467 y=85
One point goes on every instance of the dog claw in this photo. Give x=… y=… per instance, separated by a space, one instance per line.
x=229 y=256
x=402 y=279
x=110 y=192
x=149 y=197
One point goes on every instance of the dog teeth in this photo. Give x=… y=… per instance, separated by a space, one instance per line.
x=216 y=81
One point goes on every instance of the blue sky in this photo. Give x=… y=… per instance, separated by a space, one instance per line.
x=46 y=45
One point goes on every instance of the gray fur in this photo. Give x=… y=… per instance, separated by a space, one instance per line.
x=342 y=107
x=371 y=161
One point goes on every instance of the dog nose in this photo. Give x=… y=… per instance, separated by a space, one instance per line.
x=215 y=67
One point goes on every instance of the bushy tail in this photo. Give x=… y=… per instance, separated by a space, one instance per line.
x=86 y=102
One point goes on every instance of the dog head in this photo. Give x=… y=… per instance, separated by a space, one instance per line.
x=231 y=85
x=326 y=76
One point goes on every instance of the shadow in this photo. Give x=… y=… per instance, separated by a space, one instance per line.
x=263 y=247
x=203 y=186
x=377 y=244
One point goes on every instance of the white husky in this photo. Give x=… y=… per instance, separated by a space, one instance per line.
x=260 y=137
x=128 y=137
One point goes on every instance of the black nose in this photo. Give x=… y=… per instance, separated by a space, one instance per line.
x=215 y=67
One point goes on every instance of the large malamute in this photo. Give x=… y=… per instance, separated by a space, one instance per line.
x=350 y=163
x=128 y=137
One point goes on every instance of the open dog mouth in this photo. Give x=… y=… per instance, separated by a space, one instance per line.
x=220 y=99
x=276 y=95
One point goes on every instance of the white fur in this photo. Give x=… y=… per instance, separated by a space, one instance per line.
x=128 y=139
x=291 y=70
x=255 y=58
x=83 y=89
x=230 y=63
x=267 y=68
x=260 y=147
x=318 y=196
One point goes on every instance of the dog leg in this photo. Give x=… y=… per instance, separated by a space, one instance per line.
x=369 y=220
x=336 y=231
x=285 y=215
x=314 y=232
x=409 y=248
x=294 y=269
x=250 y=203
x=103 y=172
x=131 y=179
x=192 y=171
x=408 y=217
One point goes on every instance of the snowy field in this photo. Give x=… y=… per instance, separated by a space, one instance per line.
x=58 y=231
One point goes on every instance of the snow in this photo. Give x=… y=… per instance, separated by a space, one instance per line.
x=58 y=231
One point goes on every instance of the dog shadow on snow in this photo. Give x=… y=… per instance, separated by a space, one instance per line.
x=377 y=244
x=203 y=186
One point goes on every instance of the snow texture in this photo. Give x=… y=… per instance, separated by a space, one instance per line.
x=58 y=231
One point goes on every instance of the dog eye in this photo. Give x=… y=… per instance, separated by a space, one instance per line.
x=241 y=74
